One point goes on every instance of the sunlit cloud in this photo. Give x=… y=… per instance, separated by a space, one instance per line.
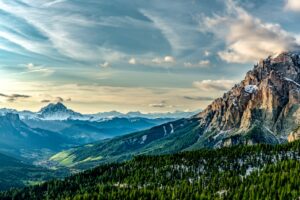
x=248 y=38
x=165 y=60
x=293 y=5
x=132 y=61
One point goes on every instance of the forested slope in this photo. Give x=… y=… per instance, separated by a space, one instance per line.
x=242 y=172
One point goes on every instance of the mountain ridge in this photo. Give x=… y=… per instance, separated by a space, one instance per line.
x=59 y=112
x=263 y=108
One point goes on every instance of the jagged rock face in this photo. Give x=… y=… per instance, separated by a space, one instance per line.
x=268 y=98
x=294 y=135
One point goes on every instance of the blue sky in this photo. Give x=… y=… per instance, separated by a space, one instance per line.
x=152 y=56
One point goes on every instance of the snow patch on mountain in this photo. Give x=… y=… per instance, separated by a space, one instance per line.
x=292 y=81
x=144 y=138
x=251 y=89
x=172 y=128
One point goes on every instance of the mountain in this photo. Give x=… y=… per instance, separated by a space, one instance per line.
x=16 y=173
x=137 y=114
x=240 y=172
x=36 y=136
x=58 y=112
x=263 y=108
x=90 y=131
x=19 y=139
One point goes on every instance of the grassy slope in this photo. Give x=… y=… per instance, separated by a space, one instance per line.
x=187 y=135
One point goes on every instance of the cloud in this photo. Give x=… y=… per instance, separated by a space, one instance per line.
x=56 y=100
x=32 y=68
x=158 y=105
x=105 y=65
x=51 y=3
x=59 y=99
x=292 y=5
x=132 y=61
x=165 y=60
x=169 y=59
x=162 y=104
x=166 y=26
x=201 y=63
x=14 y=97
x=207 y=53
x=246 y=37
x=214 y=85
x=194 y=98
x=60 y=30
x=46 y=101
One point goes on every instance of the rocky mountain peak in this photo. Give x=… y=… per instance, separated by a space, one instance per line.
x=58 y=111
x=54 y=107
x=267 y=98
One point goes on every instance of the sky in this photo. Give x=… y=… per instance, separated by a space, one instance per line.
x=145 y=55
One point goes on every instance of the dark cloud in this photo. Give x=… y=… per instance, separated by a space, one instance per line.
x=59 y=99
x=56 y=99
x=45 y=101
x=162 y=104
x=199 y=98
x=159 y=105
x=14 y=97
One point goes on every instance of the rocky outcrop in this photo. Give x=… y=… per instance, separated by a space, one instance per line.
x=295 y=135
x=267 y=99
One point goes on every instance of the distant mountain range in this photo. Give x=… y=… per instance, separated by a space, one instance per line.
x=59 y=112
x=54 y=128
x=263 y=108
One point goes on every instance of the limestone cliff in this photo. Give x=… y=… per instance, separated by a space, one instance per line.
x=264 y=106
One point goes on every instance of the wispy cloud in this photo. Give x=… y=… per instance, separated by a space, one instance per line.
x=214 y=85
x=51 y=3
x=201 y=63
x=62 y=30
x=173 y=31
x=32 y=68
x=14 y=97
x=199 y=98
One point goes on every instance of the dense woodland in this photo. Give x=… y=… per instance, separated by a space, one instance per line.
x=241 y=172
